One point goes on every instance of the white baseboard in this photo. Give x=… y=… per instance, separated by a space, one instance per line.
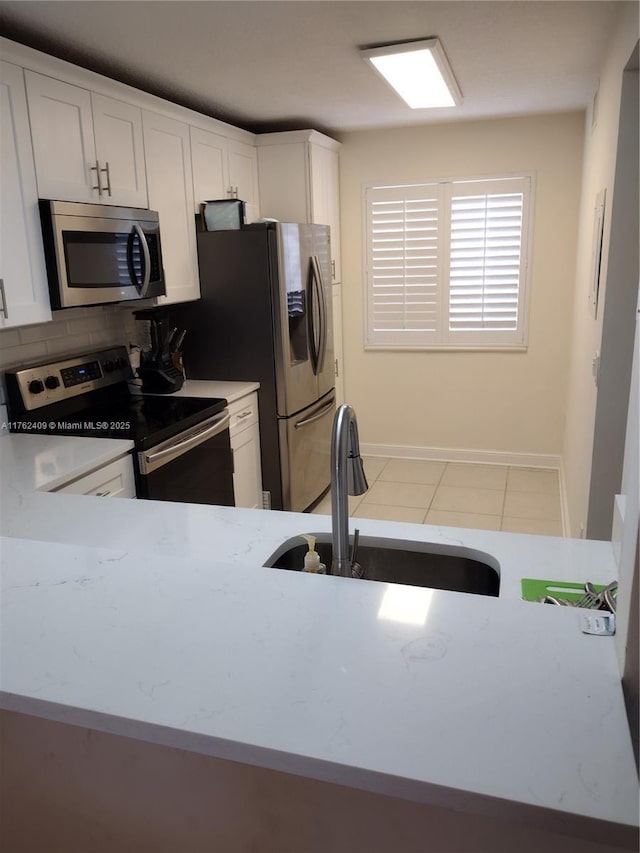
x=448 y=454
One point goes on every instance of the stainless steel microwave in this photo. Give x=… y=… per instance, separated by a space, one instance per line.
x=97 y=254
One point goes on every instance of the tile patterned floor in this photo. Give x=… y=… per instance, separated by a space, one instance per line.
x=459 y=494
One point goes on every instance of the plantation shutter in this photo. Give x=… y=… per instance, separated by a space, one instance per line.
x=404 y=257
x=446 y=263
x=486 y=258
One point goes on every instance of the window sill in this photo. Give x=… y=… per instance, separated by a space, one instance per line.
x=443 y=348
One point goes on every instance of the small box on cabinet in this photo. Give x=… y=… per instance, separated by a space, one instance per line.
x=223 y=214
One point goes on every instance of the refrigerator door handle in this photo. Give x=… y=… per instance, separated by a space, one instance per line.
x=314 y=349
x=316 y=416
x=322 y=308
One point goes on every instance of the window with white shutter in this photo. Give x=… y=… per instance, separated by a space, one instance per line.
x=447 y=263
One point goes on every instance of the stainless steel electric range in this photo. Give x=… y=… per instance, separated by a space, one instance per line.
x=182 y=446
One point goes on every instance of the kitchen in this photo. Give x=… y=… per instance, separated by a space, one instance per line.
x=98 y=327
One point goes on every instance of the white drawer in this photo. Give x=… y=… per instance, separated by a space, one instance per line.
x=115 y=480
x=244 y=413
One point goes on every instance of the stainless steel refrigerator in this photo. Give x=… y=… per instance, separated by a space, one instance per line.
x=265 y=315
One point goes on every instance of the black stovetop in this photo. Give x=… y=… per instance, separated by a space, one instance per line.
x=116 y=413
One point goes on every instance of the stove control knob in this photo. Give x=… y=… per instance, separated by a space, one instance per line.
x=108 y=366
x=36 y=386
x=52 y=382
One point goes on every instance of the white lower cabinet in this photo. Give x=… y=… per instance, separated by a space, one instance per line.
x=245 y=446
x=114 y=480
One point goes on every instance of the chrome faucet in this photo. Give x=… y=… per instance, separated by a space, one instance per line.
x=347 y=478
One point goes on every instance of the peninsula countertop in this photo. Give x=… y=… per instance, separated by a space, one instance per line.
x=488 y=705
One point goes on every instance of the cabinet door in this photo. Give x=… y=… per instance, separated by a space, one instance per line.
x=120 y=150
x=325 y=198
x=245 y=445
x=284 y=182
x=63 y=140
x=209 y=164
x=24 y=295
x=168 y=159
x=243 y=176
x=247 y=476
x=114 y=480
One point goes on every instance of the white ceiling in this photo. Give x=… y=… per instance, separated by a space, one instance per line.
x=281 y=65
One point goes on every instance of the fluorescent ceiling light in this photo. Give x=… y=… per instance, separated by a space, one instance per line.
x=418 y=71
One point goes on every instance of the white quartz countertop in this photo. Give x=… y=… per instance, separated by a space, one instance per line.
x=158 y=621
x=231 y=391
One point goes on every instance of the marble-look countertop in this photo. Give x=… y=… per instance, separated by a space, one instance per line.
x=230 y=390
x=157 y=621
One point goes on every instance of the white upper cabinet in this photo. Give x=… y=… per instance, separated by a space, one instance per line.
x=119 y=151
x=224 y=168
x=299 y=182
x=72 y=135
x=87 y=147
x=24 y=296
x=325 y=197
x=168 y=158
x=243 y=176
x=63 y=141
x=209 y=164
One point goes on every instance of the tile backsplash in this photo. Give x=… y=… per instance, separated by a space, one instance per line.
x=72 y=330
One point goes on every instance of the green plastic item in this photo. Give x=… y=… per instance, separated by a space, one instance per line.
x=533 y=589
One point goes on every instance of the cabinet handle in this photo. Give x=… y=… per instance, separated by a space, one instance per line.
x=102 y=494
x=333 y=266
x=3 y=296
x=96 y=169
x=107 y=173
x=243 y=415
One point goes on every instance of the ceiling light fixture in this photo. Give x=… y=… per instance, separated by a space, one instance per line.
x=418 y=71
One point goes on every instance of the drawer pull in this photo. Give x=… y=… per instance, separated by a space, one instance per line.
x=243 y=415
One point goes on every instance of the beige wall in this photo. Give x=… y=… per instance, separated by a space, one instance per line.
x=510 y=401
x=599 y=171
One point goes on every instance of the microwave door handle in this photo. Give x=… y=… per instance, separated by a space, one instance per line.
x=147 y=261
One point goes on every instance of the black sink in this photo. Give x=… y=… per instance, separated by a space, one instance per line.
x=400 y=561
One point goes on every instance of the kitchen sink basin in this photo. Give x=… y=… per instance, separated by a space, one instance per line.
x=400 y=561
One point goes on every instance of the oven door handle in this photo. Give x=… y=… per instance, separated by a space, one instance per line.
x=149 y=461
